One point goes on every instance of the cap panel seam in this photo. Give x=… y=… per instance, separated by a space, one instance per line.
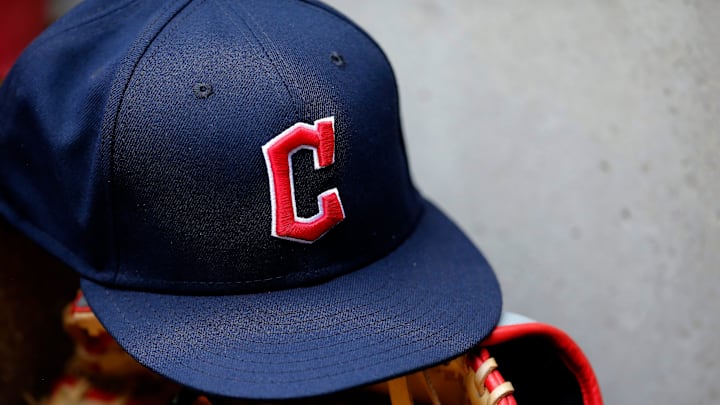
x=252 y=30
x=146 y=52
x=34 y=231
x=396 y=98
x=157 y=284
x=146 y=43
x=44 y=39
x=44 y=239
x=269 y=44
x=335 y=13
x=402 y=240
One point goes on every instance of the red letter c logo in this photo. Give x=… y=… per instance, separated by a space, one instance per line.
x=286 y=224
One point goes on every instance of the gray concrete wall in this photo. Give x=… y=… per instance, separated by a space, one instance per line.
x=578 y=143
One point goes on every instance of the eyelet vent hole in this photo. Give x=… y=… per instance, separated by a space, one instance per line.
x=337 y=59
x=202 y=90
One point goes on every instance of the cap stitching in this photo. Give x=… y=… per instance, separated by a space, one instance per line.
x=264 y=48
x=269 y=44
x=44 y=39
x=426 y=338
x=421 y=316
x=357 y=266
x=40 y=236
x=348 y=331
x=412 y=332
x=306 y=273
x=134 y=70
x=292 y=313
x=326 y=8
x=112 y=191
x=344 y=371
x=43 y=239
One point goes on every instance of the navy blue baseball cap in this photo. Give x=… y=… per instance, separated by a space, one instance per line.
x=230 y=182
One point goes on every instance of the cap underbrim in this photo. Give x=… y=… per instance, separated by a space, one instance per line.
x=429 y=300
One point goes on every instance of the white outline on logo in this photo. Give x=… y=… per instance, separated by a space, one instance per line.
x=316 y=164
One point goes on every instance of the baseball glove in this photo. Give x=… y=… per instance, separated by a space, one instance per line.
x=522 y=361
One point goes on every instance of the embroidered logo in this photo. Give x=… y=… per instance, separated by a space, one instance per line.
x=286 y=224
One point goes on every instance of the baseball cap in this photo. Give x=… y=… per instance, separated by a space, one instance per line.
x=229 y=180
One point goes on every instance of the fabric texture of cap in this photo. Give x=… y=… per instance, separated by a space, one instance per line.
x=229 y=180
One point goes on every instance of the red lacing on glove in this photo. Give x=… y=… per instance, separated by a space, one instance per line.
x=485 y=384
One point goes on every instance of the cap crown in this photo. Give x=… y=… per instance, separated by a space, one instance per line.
x=132 y=135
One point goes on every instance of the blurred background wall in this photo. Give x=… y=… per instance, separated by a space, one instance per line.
x=578 y=143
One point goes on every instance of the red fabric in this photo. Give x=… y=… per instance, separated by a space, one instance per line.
x=571 y=353
x=20 y=22
x=99 y=395
x=77 y=306
x=64 y=381
x=97 y=345
x=278 y=152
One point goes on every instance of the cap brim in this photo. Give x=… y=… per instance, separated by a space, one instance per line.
x=431 y=299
